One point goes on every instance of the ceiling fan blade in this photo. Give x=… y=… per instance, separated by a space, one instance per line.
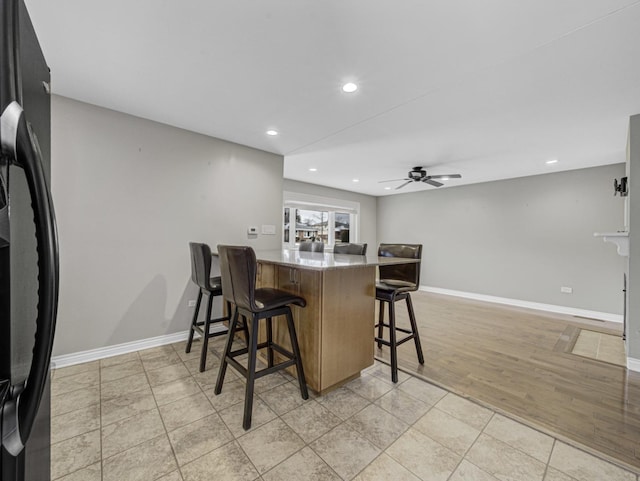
x=402 y=185
x=450 y=176
x=432 y=182
x=391 y=180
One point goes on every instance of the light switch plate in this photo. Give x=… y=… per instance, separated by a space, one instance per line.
x=268 y=229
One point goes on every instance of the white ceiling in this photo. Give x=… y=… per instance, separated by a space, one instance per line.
x=487 y=89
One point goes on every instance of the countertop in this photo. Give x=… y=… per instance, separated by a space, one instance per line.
x=326 y=260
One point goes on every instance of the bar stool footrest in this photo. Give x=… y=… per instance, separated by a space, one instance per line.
x=398 y=342
x=275 y=347
x=237 y=366
x=269 y=370
x=239 y=352
x=401 y=329
x=198 y=326
x=274 y=368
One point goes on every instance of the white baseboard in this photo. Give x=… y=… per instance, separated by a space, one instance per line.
x=633 y=364
x=571 y=311
x=110 y=351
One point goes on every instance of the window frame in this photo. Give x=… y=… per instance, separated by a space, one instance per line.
x=295 y=200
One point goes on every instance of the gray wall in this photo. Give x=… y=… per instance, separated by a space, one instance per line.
x=633 y=287
x=129 y=195
x=368 y=206
x=520 y=239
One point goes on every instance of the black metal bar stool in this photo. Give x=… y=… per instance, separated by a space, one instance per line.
x=238 y=266
x=210 y=286
x=395 y=284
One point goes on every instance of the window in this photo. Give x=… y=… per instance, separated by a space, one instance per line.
x=286 y=225
x=319 y=219
x=312 y=225
x=342 y=227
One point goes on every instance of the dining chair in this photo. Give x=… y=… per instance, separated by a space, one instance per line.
x=396 y=282
x=239 y=269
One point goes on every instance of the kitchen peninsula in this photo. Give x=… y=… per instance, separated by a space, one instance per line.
x=335 y=329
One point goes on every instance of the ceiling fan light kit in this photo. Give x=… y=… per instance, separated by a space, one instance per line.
x=418 y=174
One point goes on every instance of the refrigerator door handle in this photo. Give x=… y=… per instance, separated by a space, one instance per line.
x=11 y=439
x=19 y=421
x=9 y=121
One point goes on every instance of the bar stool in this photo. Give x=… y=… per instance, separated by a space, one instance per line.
x=353 y=249
x=210 y=286
x=395 y=284
x=238 y=265
x=307 y=246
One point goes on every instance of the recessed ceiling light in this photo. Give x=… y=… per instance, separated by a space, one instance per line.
x=272 y=132
x=312 y=169
x=444 y=178
x=356 y=180
x=387 y=188
x=349 y=87
x=552 y=161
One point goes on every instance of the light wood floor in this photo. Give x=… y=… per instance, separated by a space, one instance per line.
x=519 y=361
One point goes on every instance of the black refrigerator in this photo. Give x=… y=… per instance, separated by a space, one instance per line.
x=28 y=250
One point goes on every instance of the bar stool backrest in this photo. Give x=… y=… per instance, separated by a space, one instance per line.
x=405 y=273
x=238 y=267
x=353 y=249
x=201 y=265
x=307 y=246
x=225 y=276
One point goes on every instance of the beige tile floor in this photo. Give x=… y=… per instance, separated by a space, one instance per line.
x=150 y=415
x=600 y=346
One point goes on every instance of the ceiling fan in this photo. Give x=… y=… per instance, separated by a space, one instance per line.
x=418 y=174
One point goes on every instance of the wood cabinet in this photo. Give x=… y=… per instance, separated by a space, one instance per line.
x=335 y=329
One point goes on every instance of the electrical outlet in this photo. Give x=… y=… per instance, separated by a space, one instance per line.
x=191 y=303
x=566 y=290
